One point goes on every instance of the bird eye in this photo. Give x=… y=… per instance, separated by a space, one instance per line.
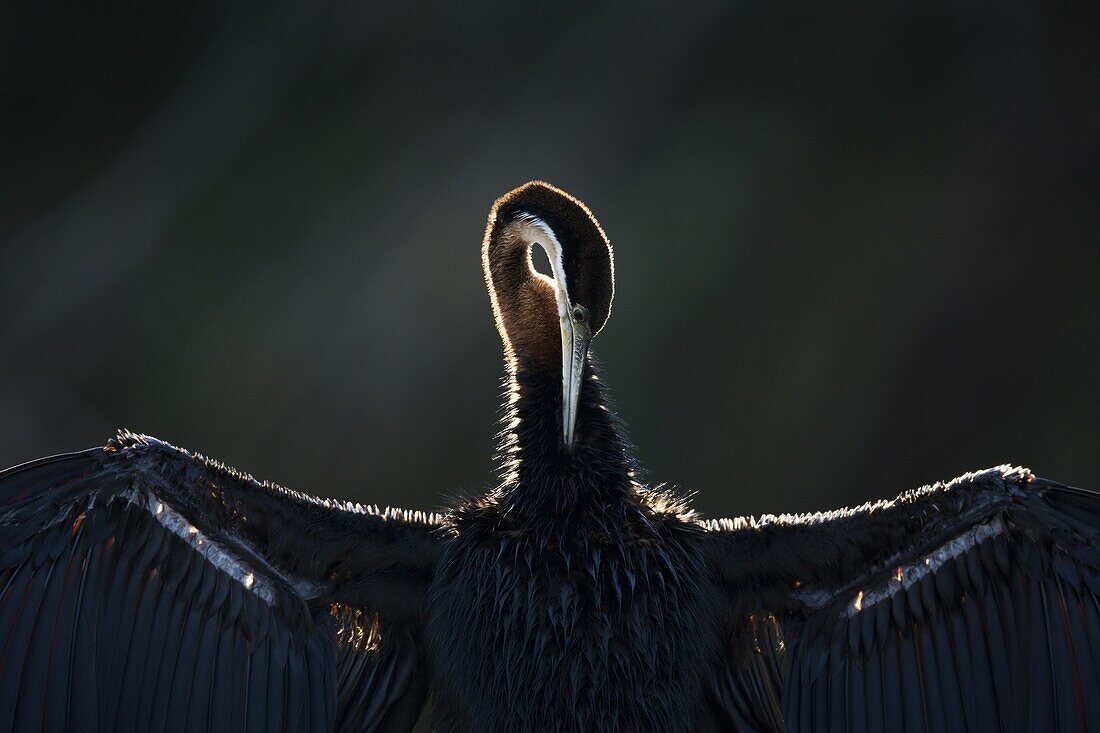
x=579 y=314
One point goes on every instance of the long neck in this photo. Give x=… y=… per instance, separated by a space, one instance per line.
x=539 y=474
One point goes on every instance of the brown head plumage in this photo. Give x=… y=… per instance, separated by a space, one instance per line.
x=528 y=306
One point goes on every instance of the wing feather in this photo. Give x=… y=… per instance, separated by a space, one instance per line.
x=972 y=605
x=146 y=588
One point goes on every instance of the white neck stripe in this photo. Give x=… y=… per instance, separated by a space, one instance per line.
x=534 y=230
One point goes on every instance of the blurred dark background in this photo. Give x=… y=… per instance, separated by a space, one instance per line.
x=855 y=250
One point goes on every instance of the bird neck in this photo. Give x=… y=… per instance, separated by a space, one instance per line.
x=540 y=473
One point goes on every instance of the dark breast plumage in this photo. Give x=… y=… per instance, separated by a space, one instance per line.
x=586 y=622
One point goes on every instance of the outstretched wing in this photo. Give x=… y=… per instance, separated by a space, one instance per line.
x=973 y=605
x=146 y=588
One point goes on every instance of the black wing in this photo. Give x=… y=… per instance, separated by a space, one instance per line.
x=973 y=605
x=146 y=588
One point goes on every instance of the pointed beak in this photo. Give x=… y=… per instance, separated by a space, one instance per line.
x=574 y=347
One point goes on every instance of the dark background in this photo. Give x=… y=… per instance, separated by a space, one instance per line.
x=855 y=250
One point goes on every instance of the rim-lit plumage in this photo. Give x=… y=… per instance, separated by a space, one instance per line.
x=143 y=587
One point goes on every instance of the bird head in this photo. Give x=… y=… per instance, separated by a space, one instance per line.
x=543 y=318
